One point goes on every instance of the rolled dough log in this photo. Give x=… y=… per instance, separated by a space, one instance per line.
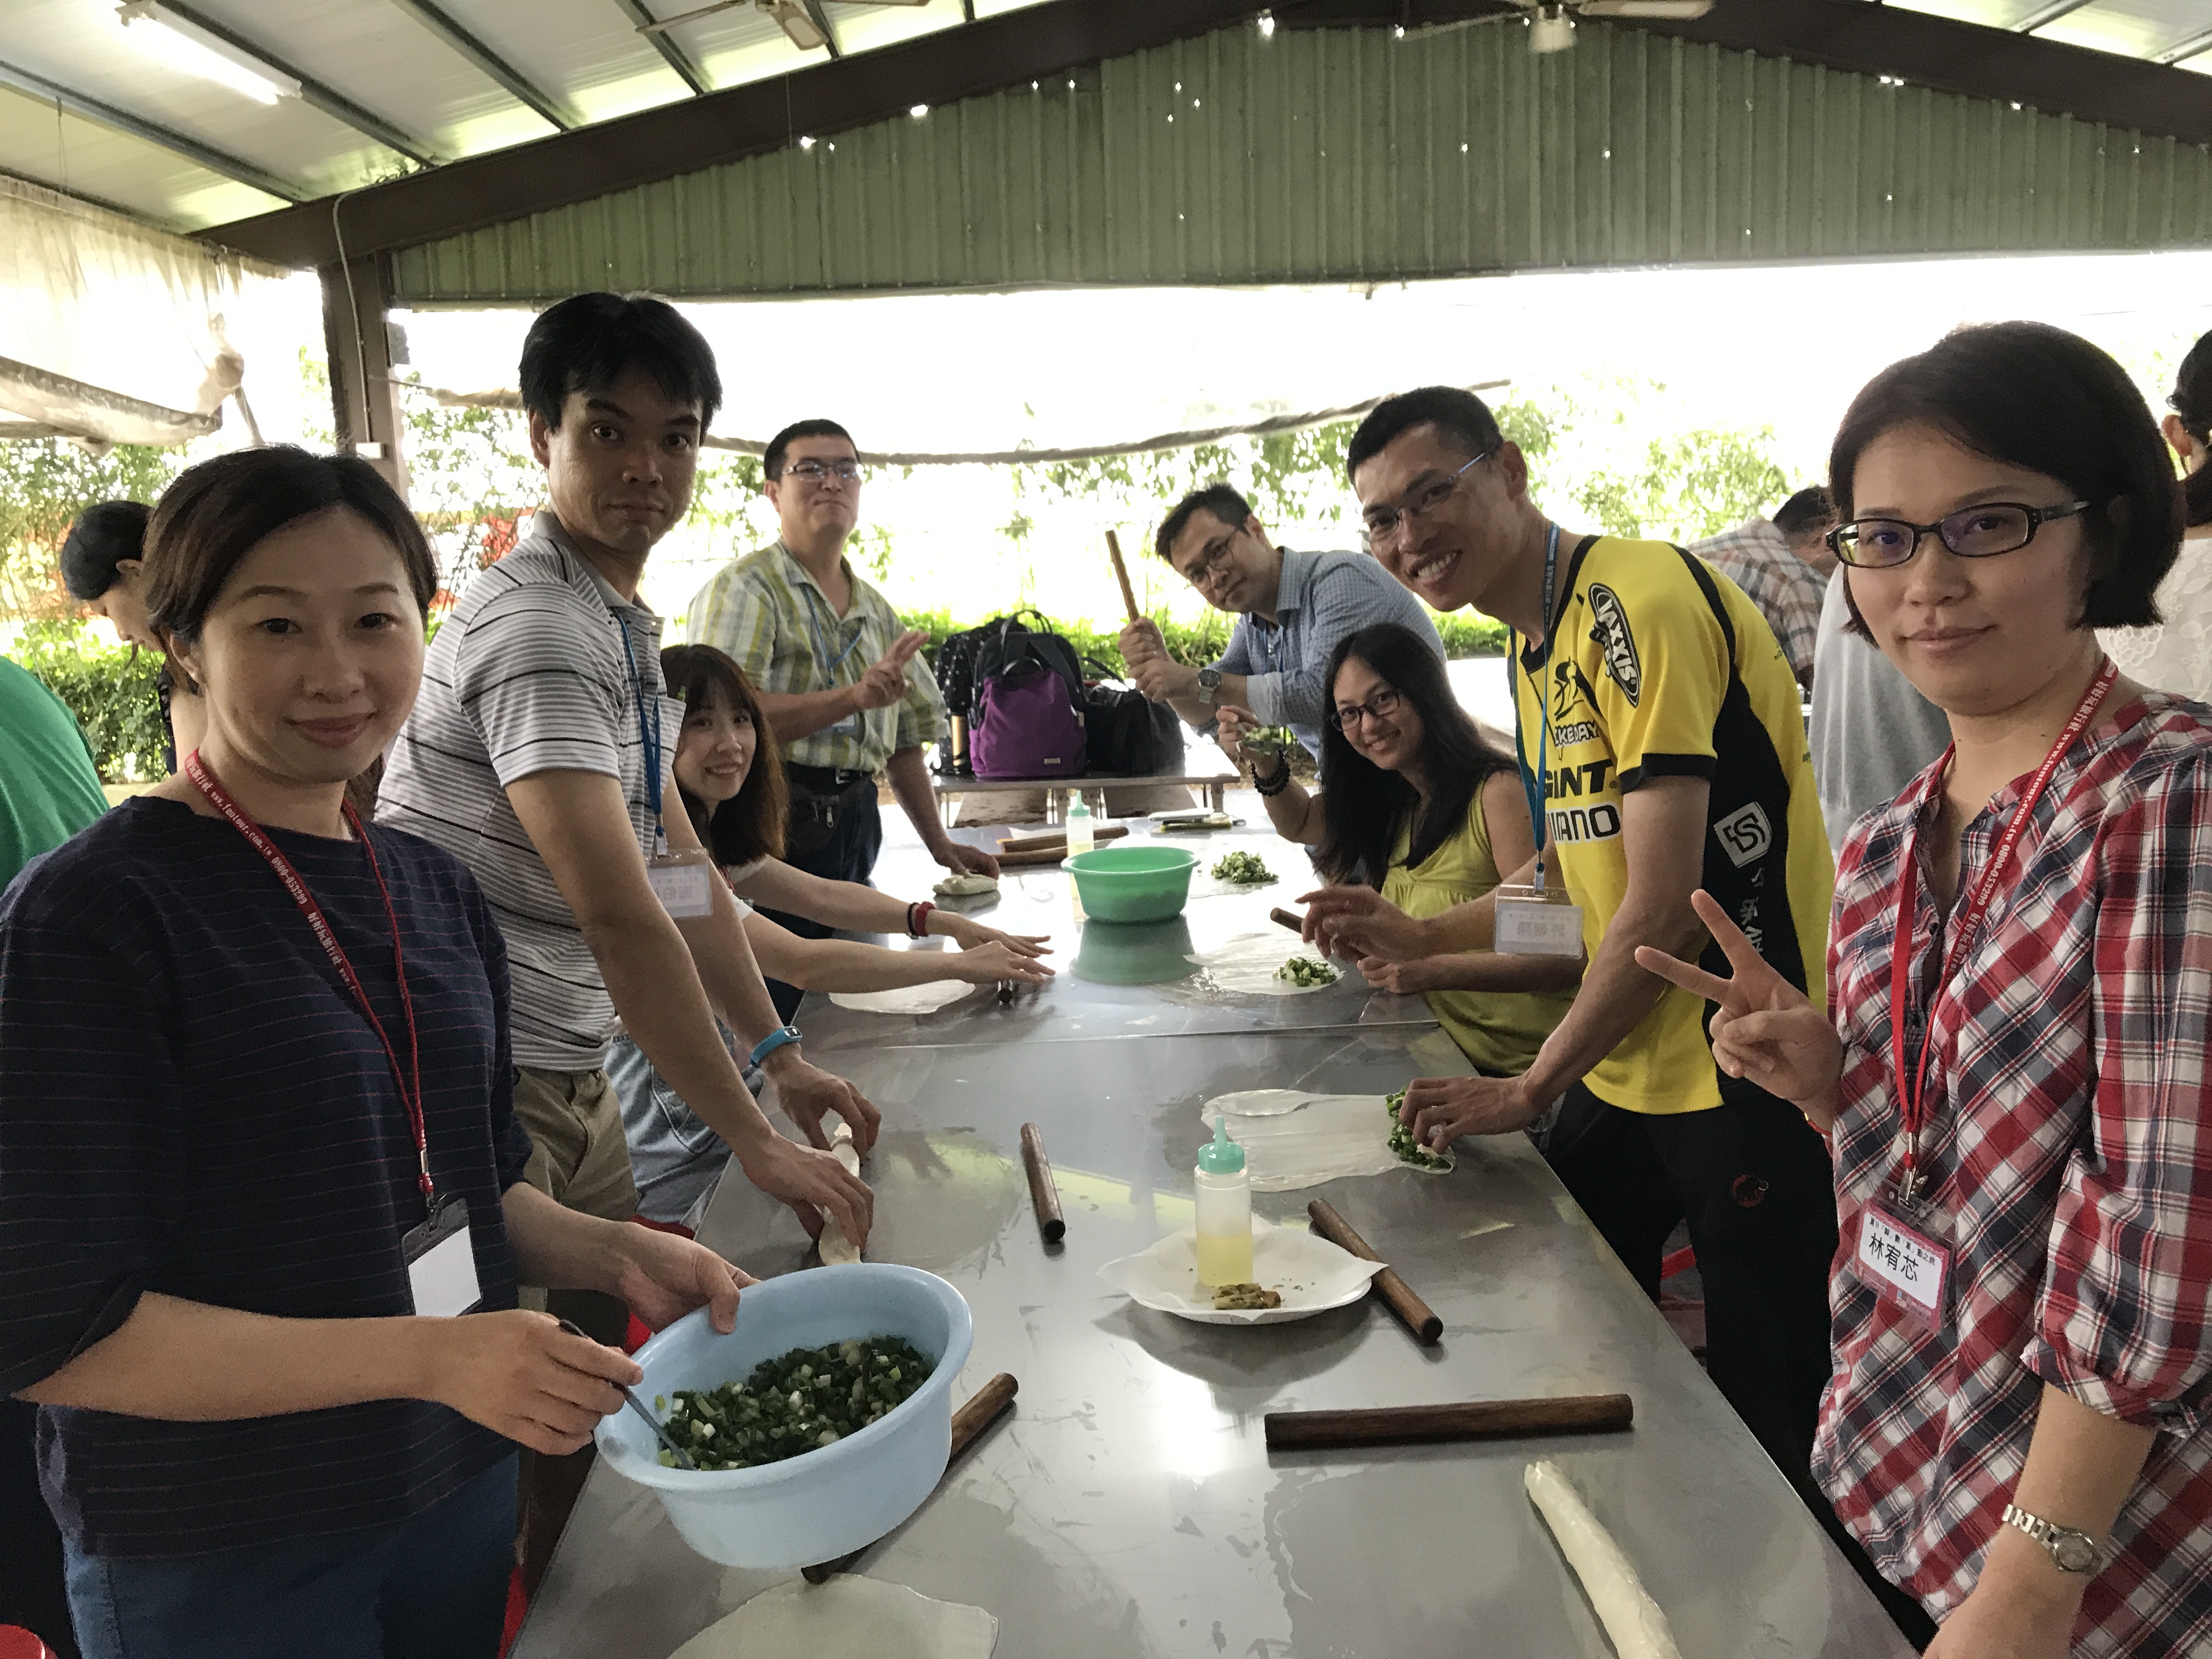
x=835 y=1248
x=847 y=1618
x=1634 y=1621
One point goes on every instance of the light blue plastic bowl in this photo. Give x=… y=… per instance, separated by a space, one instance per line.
x=821 y=1505
x=1133 y=884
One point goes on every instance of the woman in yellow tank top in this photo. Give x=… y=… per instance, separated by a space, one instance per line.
x=1420 y=805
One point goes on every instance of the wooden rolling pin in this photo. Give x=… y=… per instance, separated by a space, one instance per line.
x=981 y=1410
x=1057 y=839
x=1467 y=1419
x=1044 y=1192
x=1289 y=919
x=1414 y=1313
x=1025 y=860
x=1121 y=575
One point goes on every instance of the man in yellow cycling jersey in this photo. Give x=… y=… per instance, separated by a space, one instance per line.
x=1663 y=720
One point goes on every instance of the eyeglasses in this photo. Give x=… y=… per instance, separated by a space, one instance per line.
x=1973 y=532
x=1381 y=706
x=814 y=472
x=1382 y=523
x=1212 y=562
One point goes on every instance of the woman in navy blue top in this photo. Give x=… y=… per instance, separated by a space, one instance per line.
x=256 y=1153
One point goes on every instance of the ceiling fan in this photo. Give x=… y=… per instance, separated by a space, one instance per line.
x=800 y=20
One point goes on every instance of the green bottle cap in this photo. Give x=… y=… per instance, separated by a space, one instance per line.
x=1221 y=1155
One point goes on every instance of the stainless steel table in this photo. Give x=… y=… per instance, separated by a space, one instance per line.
x=1128 y=1507
x=1079 y=1005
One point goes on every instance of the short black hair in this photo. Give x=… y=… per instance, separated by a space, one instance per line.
x=772 y=461
x=216 y=513
x=1810 y=509
x=1462 y=420
x=2033 y=396
x=589 y=340
x=105 y=534
x=1221 y=499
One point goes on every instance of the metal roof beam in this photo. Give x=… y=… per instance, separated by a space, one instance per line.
x=176 y=143
x=314 y=93
x=753 y=119
x=439 y=23
x=2181 y=50
x=820 y=19
x=1917 y=47
x=677 y=59
x=2045 y=15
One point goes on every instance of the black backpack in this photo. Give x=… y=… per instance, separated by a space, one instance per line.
x=1124 y=733
x=1007 y=640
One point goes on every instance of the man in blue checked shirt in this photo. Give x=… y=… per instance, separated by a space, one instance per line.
x=1291 y=609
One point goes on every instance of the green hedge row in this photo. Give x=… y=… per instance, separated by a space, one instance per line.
x=1464 y=635
x=110 y=689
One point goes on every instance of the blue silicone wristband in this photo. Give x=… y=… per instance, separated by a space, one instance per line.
x=780 y=1038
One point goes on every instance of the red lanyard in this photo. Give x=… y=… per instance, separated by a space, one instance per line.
x=410 y=1098
x=1910 y=1085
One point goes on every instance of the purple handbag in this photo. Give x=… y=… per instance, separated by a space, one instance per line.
x=1025 y=727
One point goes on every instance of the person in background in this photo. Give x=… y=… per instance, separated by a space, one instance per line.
x=103 y=565
x=1292 y=611
x=1783 y=565
x=2175 y=652
x=1872 y=734
x=837 y=672
x=1659 y=719
x=1422 y=807
x=257 y=1152
x=537 y=756
x=2013 y=1073
x=732 y=789
x=49 y=791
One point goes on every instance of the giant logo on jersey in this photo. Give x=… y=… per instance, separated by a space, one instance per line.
x=1611 y=632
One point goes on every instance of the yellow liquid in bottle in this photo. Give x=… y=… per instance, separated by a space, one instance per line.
x=1225 y=1258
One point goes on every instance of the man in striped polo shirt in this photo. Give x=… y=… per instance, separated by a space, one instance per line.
x=531 y=756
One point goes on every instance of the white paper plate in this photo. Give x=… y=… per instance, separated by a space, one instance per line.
x=1311 y=1274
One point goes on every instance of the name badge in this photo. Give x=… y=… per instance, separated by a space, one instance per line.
x=442 y=1262
x=1902 y=1263
x=1530 y=922
x=683 y=881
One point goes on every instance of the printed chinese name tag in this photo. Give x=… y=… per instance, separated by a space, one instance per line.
x=1904 y=1263
x=683 y=881
x=441 y=1262
x=1535 y=921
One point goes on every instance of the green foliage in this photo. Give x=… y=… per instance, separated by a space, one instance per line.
x=45 y=482
x=110 y=689
x=1691 y=487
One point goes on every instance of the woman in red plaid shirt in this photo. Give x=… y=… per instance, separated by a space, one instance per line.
x=2020 y=1426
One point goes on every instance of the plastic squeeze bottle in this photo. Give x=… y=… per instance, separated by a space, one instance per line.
x=1225 y=1211
x=1081 y=825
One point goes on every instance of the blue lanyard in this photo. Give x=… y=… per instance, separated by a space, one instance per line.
x=1534 y=786
x=830 y=665
x=649 y=738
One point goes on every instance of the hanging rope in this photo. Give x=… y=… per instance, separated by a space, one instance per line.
x=1187 y=440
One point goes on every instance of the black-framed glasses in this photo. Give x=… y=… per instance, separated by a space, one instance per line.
x=814 y=472
x=1212 y=561
x=1972 y=532
x=1384 y=703
x=1382 y=522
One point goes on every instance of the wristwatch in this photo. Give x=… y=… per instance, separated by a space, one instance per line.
x=2072 y=1549
x=1209 y=683
x=782 y=1037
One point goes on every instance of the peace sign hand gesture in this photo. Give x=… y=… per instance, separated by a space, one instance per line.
x=1765 y=1031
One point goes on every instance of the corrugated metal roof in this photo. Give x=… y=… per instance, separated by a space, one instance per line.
x=1351 y=156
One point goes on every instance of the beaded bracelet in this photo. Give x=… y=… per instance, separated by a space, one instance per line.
x=1276 y=781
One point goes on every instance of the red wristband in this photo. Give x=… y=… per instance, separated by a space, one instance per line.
x=917 y=918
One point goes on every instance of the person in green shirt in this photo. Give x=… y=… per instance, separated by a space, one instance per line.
x=48 y=788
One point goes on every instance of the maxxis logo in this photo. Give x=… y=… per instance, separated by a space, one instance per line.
x=1611 y=632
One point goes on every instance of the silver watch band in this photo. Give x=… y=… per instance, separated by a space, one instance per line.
x=2070 y=1549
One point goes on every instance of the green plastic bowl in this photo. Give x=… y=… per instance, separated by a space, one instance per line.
x=1133 y=884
